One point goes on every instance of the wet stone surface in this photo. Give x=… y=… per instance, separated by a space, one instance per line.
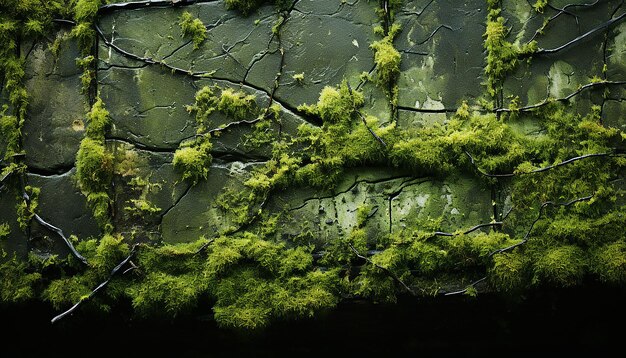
x=148 y=72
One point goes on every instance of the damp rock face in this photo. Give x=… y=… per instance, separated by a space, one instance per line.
x=278 y=95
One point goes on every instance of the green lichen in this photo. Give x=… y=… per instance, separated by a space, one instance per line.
x=194 y=28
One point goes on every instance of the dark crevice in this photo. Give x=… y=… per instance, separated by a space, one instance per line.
x=58 y=170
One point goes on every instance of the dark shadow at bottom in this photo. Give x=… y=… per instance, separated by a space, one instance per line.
x=587 y=320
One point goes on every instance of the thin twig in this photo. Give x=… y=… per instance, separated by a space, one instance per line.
x=564 y=99
x=463 y=291
x=539 y=170
x=133 y=251
x=386 y=270
x=539 y=216
x=479 y=226
x=581 y=37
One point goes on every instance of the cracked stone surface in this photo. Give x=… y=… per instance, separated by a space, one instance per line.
x=560 y=74
x=56 y=111
x=152 y=73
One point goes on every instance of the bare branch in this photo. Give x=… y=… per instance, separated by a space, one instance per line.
x=117 y=268
x=539 y=170
x=539 y=216
x=581 y=37
x=384 y=269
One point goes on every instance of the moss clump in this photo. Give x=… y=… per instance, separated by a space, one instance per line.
x=256 y=281
x=609 y=263
x=194 y=160
x=16 y=284
x=236 y=104
x=26 y=210
x=502 y=56
x=442 y=147
x=94 y=166
x=245 y=6
x=563 y=266
x=193 y=28
x=387 y=60
x=5 y=230
x=98 y=121
x=509 y=272
x=10 y=134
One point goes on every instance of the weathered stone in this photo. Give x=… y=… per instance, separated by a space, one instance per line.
x=54 y=122
x=396 y=203
x=442 y=55
x=562 y=73
x=62 y=205
x=197 y=213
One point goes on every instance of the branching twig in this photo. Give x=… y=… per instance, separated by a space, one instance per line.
x=564 y=99
x=479 y=226
x=56 y=230
x=463 y=291
x=133 y=251
x=59 y=232
x=384 y=269
x=539 y=216
x=560 y=12
x=539 y=170
x=581 y=37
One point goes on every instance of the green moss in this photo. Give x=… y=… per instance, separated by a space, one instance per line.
x=236 y=104
x=194 y=28
x=65 y=292
x=298 y=77
x=16 y=284
x=387 y=60
x=163 y=295
x=98 y=121
x=89 y=74
x=27 y=210
x=5 y=230
x=509 y=272
x=194 y=160
x=10 y=134
x=540 y=5
x=502 y=56
x=245 y=6
x=609 y=263
x=563 y=266
x=94 y=166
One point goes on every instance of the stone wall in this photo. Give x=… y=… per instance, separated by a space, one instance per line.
x=147 y=73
